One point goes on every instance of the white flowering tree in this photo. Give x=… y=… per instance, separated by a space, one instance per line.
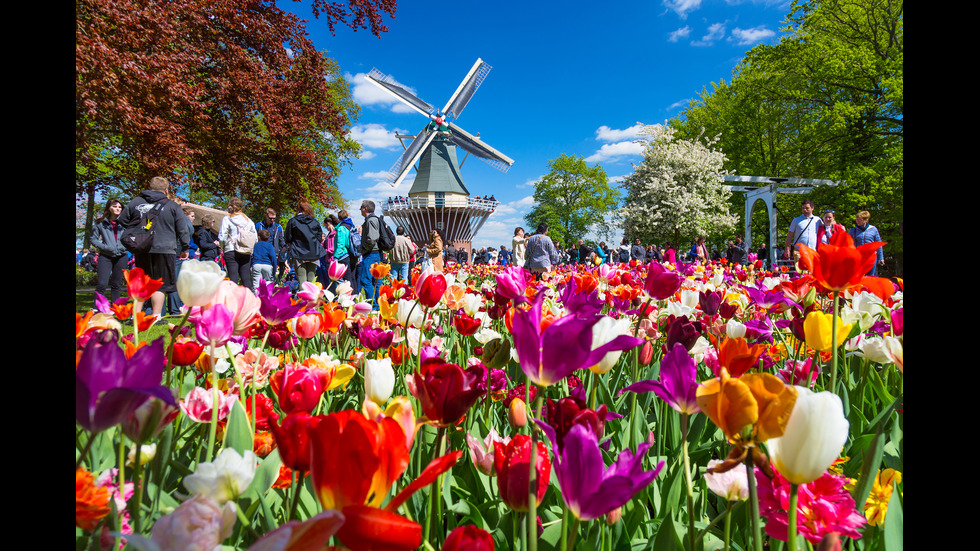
x=678 y=192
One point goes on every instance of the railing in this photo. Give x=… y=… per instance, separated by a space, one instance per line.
x=399 y=203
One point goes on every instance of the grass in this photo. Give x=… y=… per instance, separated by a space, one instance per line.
x=84 y=300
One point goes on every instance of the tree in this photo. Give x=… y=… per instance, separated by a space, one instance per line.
x=228 y=96
x=827 y=101
x=676 y=194
x=573 y=199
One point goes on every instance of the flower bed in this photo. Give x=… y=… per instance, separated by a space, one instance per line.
x=689 y=406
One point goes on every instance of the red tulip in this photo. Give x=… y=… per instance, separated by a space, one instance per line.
x=512 y=463
x=446 y=390
x=430 y=287
x=186 y=351
x=466 y=325
x=139 y=285
x=298 y=387
x=839 y=265
x=468 y=538
x=293 y=440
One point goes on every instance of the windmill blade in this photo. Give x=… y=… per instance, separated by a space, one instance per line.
x=388 y=84
x=454 y=107
x=475 y=147
x=412 y=154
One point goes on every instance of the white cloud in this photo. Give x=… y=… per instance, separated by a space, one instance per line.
x=614 y=150
x=715 y=32
x=374 y=136
x=682 y=7
x=606 y=134
x=366 y=93
x=680 y=103
x=366 y=154
x=744 y=37
x=683 y=32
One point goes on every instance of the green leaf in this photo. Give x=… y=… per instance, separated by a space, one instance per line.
x=238 y=433
x=894 y=531
x=667 y=538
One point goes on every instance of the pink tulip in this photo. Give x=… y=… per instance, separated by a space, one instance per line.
x=215 y=325
x=482 y=452
x=336 y=270
x=199 y=404
x=242 y=303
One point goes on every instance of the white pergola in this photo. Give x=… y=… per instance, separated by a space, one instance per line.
x=765 y=191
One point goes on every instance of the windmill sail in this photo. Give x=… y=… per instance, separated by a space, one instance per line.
x=388 y=84
x=456 y=104
x=475 y=147
x=412 y=154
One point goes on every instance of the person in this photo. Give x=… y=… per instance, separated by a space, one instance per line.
x=276 y=238
x=303 y=236
x=802 y=231
x=191 y=217
x=434 y=250
x=112 y=255
x=519 y=247
x=624 y=251
x=763 y=255
x=542 y=252
x=504 y=256
x=171 y=239
x=370 y=252
x=636 y=251
x=174 y=304
x=263 y=260
x=450 y=254
x=670 y=255
x=343 y=249
x=602 y=253
x=207 y=243
x=238 y=264
x=462 y=255
x=863 y=233
x=699 y=251
x=738 y=250
x=401 y=254
x=828 y=227
x=583 y=252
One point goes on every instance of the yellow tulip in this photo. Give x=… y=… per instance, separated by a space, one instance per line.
x=818 y=328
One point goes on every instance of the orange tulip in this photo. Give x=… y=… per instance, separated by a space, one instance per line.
x=737 y=356
x=143 y=321
x=839 y=265
x=139 y=285
x=91 y=501
x=331 y=319
x=122 y=311
x=380 y=271
x=757 y=400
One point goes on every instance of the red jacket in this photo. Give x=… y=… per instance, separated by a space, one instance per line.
x=821 y=230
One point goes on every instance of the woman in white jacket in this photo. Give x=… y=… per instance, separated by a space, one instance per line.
x=237 y=264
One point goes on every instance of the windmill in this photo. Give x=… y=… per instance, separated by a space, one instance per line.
x=438 y=198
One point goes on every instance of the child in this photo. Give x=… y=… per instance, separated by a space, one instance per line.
x=263 y=260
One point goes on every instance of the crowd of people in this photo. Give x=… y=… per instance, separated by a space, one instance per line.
x=337 y=251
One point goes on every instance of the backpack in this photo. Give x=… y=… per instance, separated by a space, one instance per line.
x=386 y=241
x=624 y=255
x=139 y=238
x=247 y=237
x=354 y=244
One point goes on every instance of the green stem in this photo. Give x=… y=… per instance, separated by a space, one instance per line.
x=215 y=402
x=173 y=339
x=122 y=482
x=794 y=490
x=687 y=480
x=754 y=501
x=532 y=489
x=833 y=348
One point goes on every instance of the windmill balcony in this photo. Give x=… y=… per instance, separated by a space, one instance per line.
x=394 y=204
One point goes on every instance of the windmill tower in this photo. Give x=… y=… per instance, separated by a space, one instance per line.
x=438 y=198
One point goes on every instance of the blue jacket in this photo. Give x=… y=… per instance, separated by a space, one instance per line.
x=264 y=253
x=867 y=234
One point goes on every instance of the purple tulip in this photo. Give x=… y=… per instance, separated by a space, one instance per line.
x=678 y=384
x=512 y=282
x=710 y=302
x=768 y=299
x=109 y=387
x=898 y=319
x=588 y=488
x=682 y=330
x=374 y=338
x=566 y=345
x=276 y=306
x=215 y=325
x=661 y=283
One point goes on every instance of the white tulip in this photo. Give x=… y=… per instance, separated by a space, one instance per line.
x=815 y=433
x=225 y=479
x=735 y=329
x=604 y=332
x=199 y=281
x=379 y=380
x=732 y=485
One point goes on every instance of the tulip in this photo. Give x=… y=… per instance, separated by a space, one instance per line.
x=430 y=287
x=215 y=326
x=512 y=283
x=839 y=265
x=818 y=328
x=512 y=463
x=517 y=413
x=589 y=489
x=148 y=420
x=276 y=307
x=683 y=330
x=298 y=387
x=109 y=387
x=605 y=331
x=468 y=538
x=482 y=453
x=814 y=435
x=661 y=283
x=186 y=351
x=732 y=485
x=336 y=270
x=466 y=324
x=410 y=313
x=375 y=338
x=225 y=479
x=199 y=281
x=447 y=391
x=379 y=380
x=242 y=303
x=308 y=535
x=737 y=356
x=198 y=523
x=199 y=405
x=139 y=285
x=757 y=400
x=293 y=440
x=305 y=326
x=678 y=383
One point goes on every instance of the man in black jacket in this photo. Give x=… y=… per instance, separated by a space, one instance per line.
x=170 y=236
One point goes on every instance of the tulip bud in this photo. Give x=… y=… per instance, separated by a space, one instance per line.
x=809 y=298
x=496 y=353
x=646 y=354
x=612 y=517
x=517 y=413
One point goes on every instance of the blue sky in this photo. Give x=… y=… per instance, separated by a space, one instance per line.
x=568 y=77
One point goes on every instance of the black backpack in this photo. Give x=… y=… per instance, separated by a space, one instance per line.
x=624 y=256
x=139 y=238
x=386 y=241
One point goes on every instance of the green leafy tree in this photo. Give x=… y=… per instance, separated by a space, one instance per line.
x=676 y=194
x=573 y=199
